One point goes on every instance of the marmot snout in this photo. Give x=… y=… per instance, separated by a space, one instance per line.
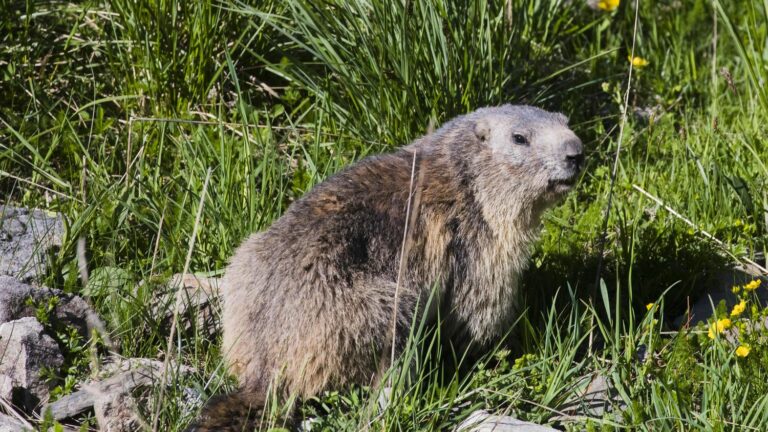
x=311 y=298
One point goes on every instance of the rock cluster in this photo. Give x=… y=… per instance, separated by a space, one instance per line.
x=30 y=357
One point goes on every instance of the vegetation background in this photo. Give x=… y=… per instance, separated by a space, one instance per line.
x=114 y=112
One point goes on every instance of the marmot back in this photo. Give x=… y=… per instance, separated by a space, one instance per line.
x=312 y=297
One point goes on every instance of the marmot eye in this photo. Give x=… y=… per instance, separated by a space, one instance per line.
x=519 y=139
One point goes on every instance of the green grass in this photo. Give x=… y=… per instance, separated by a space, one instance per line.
x=114 y=112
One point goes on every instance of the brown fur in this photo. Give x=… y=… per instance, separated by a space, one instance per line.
x=309 y=301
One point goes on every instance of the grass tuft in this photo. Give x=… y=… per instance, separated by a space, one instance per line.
x=114 y=113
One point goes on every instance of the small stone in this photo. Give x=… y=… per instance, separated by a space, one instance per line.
x=717 y=289
x=384 y=397
x=116 y=412
x=308 y=424
x=482 y=421
x=192 y=400
x=10 y=424
x=597 y=397
x=199 y=306
x=593 y=4
x=24 y=352
x=26 y=236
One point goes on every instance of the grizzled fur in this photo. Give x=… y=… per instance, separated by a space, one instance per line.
x=310 y=299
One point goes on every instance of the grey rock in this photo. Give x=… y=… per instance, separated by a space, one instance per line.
x=384 y=397
x=70 y=309
x=594 y=396
x=26 y=237
x=191 y=401
x=24 y=352
x=195 y=298
x=482 y=421
x=733 y=334
x=10 y=424
x=716 y=289
x=116 y=412
x=597 y=396
x=198 y=303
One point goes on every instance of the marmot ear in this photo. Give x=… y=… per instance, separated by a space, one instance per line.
x=482 y=130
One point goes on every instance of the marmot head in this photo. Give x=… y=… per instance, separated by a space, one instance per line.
x=535 y=147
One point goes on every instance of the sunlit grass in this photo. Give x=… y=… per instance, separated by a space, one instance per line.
x=113 y=113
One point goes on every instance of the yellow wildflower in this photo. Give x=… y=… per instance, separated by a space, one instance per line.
x=649 y=306
x=735 y=289
x=742 y=350
x=718 y=327
x=752 y=285
x=638 y=62
x=608 y=5
x=739 y=308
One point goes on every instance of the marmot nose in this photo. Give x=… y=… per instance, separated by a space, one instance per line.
x=574 y=153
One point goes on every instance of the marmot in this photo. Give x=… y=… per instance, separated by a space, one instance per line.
x=312 y=297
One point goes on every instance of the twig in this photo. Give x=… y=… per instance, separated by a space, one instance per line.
x=688 y=222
